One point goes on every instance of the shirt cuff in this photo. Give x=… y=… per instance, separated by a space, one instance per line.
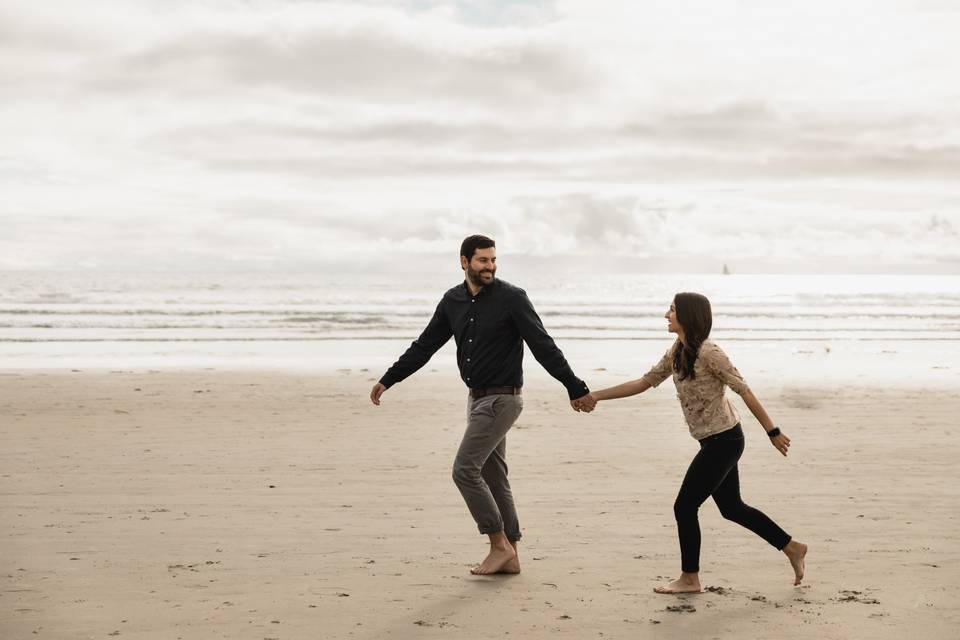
x=578 y=389
x=739 y=388
x=653 y=383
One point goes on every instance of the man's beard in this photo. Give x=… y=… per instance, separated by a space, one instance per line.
x=476 y=277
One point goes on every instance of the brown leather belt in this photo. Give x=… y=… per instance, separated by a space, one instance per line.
x=491 y=391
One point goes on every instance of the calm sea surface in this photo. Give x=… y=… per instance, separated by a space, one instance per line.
x=152 y=307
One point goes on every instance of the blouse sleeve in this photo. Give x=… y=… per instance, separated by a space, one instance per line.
x=660 y=371
x=719 y=365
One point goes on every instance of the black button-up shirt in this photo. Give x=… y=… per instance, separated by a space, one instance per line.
x=489 y=329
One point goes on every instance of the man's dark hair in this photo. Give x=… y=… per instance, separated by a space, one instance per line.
x=472 y=243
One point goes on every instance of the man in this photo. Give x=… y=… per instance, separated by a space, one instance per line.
x=490 y=320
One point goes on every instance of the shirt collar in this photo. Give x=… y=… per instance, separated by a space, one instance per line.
x=492 y=285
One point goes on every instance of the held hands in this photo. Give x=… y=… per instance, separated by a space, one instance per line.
x=376 y=392
x=585 y=403
x=781 y=443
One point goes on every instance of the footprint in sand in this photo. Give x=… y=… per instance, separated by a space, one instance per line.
x=849 y=595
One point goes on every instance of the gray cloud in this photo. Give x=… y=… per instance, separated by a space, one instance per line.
x=580 y=230
x=905 y=164
x=743 y=141
x=37 y=33
x=358 y=62
x=303 y=133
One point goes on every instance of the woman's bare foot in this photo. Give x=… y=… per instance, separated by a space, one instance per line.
x=686 y=583
x=499 y=559
x=796 y=552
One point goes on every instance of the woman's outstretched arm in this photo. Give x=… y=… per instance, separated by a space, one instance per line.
x=660 y=372
x=624 y=390
x=589 y=402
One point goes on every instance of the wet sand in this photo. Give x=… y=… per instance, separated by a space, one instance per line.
x=209 y=503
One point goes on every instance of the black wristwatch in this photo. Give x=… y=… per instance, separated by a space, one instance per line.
x=773 y=433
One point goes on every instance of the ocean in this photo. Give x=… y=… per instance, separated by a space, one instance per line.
x=112 y=319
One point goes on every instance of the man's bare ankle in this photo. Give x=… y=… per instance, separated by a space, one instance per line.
x=500 y=542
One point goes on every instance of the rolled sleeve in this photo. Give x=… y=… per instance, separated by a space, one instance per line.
x=719 y=365
x=662 y=370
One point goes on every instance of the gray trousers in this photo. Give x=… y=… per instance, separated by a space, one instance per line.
x=480 y=468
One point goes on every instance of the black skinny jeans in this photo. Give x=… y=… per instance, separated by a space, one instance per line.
x=713 y=472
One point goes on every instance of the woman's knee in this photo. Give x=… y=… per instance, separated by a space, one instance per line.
x=734 y=511
x=684 y=508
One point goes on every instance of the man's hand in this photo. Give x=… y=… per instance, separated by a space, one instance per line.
x=376 y=392
x=585 y=403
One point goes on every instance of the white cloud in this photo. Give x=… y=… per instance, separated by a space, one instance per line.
x=200 y=133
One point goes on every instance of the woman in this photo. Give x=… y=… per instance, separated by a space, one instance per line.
x=700 y=371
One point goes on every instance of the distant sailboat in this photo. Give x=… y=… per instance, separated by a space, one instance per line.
x=726 y=269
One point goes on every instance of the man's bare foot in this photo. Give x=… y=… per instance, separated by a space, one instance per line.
x=686 y=583
x=796 y=552
x=513 y=566
x=496 y=560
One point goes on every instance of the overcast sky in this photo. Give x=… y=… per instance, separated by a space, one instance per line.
x=282 y=134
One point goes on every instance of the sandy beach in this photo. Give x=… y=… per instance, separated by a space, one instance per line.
x=207 y=503
x=222 y=222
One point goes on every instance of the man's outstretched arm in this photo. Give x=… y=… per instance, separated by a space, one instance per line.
x=544 y=349
x=434 y=336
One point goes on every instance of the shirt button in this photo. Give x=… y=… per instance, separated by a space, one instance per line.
x=468 y=379
x=468 y=359
x=470 y=340
x=471 y=319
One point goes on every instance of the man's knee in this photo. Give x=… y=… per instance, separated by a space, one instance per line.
x=465 y=473
x=494 y=471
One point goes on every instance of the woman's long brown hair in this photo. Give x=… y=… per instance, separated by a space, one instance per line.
x=696 y=319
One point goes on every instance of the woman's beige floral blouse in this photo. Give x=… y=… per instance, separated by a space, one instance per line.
x=705 y=407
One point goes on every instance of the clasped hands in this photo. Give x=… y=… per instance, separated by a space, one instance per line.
x=585 y=403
